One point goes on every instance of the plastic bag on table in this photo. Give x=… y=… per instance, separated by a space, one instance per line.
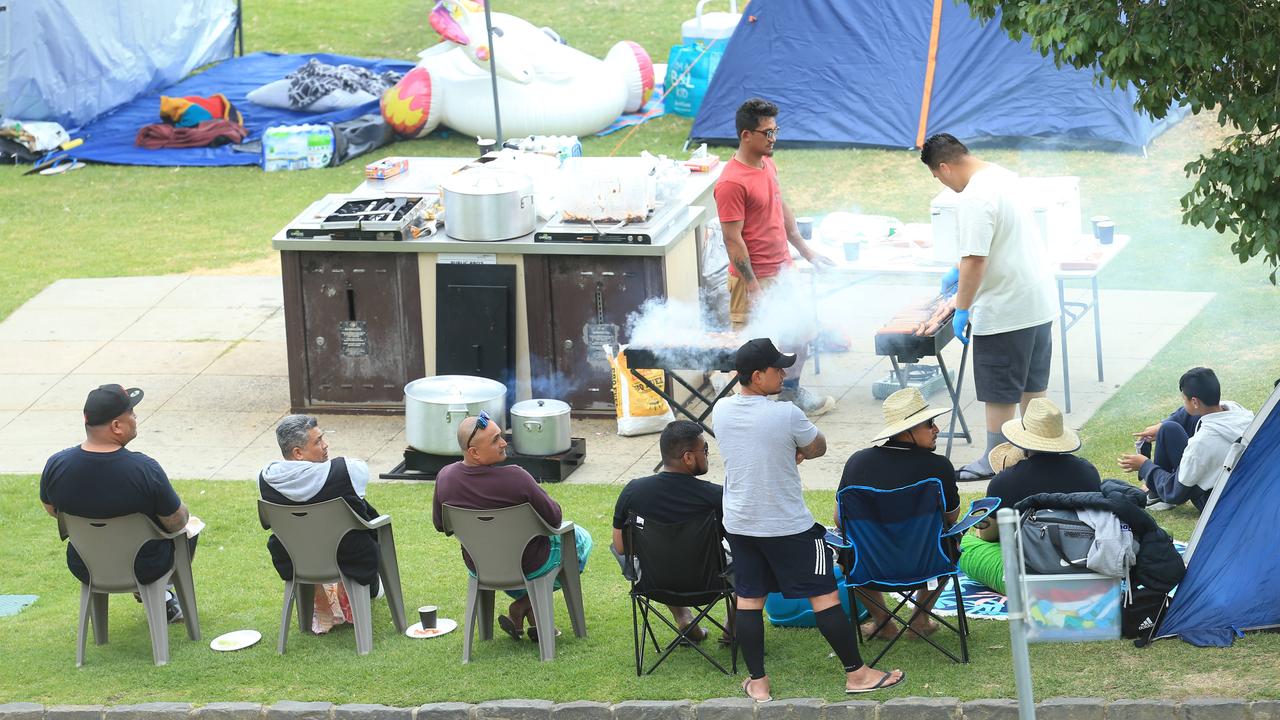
x=641 y=411
x=713 y=286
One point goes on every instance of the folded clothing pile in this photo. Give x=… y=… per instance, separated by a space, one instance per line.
x=320 y=87
x=193 y=121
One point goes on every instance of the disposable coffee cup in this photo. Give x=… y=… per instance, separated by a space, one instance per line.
x=427 y=613
x=1093 y=222
x=1106 y=232
x=852 y=250
x=805 y=226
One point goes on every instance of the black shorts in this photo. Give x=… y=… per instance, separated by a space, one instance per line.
x=1008 y=364
x=798 y=566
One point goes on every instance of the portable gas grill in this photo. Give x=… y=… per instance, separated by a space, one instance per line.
x=705 y=359
x=908 y=348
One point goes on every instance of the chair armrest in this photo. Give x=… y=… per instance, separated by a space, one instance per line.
x=835 y=540
x=566 y=528
x=375 y=523
x=979 y=510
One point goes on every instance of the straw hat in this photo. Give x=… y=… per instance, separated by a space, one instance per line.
x=1005 y=455
x=904 y=410
x=1041 y=429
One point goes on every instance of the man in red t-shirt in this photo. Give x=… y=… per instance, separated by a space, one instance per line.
x=757 y=226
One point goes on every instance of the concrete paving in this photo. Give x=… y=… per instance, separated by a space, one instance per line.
x=209 y=351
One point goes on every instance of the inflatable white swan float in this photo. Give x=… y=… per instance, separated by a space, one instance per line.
x=544 y=87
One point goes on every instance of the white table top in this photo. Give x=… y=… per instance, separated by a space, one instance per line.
x=908 y=258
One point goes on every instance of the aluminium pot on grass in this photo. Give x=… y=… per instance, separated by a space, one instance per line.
x=540 y=427
x=435 y=406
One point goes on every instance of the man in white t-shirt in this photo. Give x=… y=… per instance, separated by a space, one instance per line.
x=1004 y=286
x=777 y=546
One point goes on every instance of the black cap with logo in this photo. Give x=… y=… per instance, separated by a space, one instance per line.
x=759 y=354
x=109 y=402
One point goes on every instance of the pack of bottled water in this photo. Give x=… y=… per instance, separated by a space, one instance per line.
x=297 y=147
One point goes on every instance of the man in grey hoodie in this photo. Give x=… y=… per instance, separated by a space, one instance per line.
x=307 y=474
x=1190 y=445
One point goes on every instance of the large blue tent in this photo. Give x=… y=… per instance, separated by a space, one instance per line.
x=1233 y=569
x=72 y=60
x=891 y=72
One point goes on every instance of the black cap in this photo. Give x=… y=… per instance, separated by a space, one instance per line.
x=759 y=354
x=109 y=402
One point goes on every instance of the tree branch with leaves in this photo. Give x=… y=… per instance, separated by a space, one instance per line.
x=1210 y=55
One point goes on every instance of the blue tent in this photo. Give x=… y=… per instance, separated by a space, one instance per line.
x=1233 y=570
x=847 y=72
x=72 y=60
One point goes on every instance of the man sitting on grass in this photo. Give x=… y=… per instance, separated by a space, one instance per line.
x=100 y=478
x=1190 y=445
x=1038 y=458
x=673 y=496
x=477 y=482
x=907 y=457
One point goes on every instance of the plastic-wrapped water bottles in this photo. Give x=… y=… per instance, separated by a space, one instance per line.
x=296 y=147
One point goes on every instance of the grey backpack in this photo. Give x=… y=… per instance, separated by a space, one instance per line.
x=1055 y=542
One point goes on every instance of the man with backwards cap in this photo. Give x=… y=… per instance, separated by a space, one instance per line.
x=777 y=546
x=100 y=478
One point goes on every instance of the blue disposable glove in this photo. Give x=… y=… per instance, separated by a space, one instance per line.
x=959 y=323
x=951 y=282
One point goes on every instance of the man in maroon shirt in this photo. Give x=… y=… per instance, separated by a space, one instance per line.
x=757 y=226
x=477 y=482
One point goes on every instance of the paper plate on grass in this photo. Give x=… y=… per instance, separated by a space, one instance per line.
x=236 y=640
x=443 y=626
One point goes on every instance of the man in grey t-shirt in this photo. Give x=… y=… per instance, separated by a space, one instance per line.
x=777 y=546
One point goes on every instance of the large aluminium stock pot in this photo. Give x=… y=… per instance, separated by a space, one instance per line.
x=488 y=205
x=434 y=406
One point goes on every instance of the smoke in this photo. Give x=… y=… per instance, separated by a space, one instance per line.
x=789 y=311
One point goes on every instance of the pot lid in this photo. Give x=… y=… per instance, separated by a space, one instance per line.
x=454 y=389
x=488 y=182
x=540 y=408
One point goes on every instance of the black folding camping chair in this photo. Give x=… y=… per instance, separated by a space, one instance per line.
x=682 y=565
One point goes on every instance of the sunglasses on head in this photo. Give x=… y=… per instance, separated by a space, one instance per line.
x=482 y=422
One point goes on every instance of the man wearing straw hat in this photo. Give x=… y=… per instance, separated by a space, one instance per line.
x=906 y=457
x=1037 y=459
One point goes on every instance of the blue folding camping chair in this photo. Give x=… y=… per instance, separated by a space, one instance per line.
x=895 y=542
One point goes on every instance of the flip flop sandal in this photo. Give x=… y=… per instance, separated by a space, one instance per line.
x=878 y=686
x=967 y=475
x=509 y=627
x=533 y=633
x=745 y=683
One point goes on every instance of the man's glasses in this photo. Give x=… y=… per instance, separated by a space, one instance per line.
x=771 y=133
x=482 y=422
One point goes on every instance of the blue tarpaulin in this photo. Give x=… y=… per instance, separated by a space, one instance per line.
x=1233 y=577
x=109 y=138
x=853 y=73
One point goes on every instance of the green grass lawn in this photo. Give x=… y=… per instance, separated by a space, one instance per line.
x=105 y=221
x=238 y=588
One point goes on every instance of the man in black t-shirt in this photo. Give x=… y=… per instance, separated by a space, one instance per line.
x=674 y=495
x=906 y=458
x=1048 y=467
x=100 y=478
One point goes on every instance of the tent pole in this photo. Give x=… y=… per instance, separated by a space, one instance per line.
x=240 y=25
x=493 y=77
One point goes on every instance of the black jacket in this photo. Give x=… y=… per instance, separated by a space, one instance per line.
x=1159 y=567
